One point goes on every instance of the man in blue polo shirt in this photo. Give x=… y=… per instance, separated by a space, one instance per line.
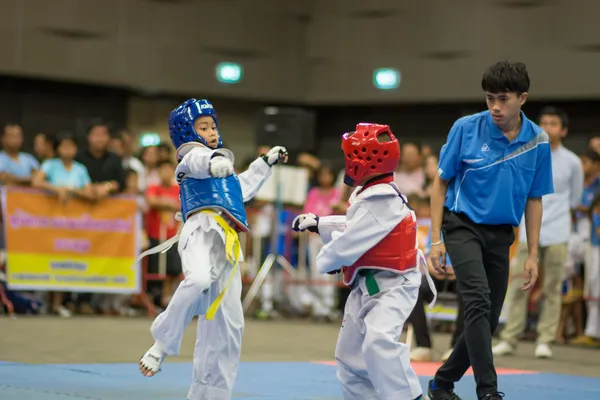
x=495 y=166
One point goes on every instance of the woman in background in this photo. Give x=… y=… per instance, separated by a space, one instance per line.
x=321 y=200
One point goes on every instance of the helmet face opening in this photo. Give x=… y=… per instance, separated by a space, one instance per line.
x=181 y=122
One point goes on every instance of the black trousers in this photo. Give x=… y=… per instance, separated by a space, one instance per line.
x=481 y=261
x=418 y=319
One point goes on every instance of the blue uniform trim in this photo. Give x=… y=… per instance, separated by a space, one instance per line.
x=222 y=194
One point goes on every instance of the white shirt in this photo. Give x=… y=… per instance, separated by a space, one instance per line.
x=567 y=176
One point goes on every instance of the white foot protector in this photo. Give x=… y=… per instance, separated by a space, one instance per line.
x=151 y=361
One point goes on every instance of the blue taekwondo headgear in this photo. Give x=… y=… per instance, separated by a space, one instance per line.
x=181 y=122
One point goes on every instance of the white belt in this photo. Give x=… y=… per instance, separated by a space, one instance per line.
x=164 y=246
x=422 y=261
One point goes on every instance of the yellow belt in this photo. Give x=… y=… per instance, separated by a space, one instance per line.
x=233 y=250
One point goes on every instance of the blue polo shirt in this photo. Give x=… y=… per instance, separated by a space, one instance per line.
x=490 y=177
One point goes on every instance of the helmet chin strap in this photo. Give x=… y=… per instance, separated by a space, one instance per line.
x=383 y=177
x=348 y=181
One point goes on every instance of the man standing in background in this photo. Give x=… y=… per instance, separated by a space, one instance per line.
x=107 y=175
x=567 y=173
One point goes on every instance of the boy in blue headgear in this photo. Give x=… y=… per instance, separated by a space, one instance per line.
x=212 y=207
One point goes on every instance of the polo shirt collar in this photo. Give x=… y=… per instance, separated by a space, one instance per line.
x=524 y=134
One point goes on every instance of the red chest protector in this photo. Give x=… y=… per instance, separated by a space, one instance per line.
x=397 y=252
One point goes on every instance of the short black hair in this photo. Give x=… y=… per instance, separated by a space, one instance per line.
x=166 y=146
x=506 y=77
x=130 y=171
x=63 y=136
x=11 y=125
x=412 y=143
x=556 y=112
x=99 y=122
x=591 y=155
x=165 y=162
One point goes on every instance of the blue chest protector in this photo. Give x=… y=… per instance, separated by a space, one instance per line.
x=222 y=194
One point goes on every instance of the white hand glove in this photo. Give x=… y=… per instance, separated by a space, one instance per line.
x=220 y=167
x=305 y=222
x=276 y=154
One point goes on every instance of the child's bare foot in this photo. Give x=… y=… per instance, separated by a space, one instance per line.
x=151 y=361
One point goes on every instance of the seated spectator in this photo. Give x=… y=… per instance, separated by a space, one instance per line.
x=163 y=202
x=16 y=167
x=64 y=176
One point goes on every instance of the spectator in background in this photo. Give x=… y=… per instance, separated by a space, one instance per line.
x=321 y=200
x=132 y=188
x=165 y=152
x=163 y=202
x=410 y=177
x=16 y=167
x=431 y=165
x=594 y=144
x=150 y=159
x=107 y=176
x=66 y=178
x=311 y=163
x=121 y=145
x=105 y=169
x=587 y=230
x=581 y=238
x=567 y=176
x=43 y=147
x=591 y=337
x=445 y=282
x=426 y=150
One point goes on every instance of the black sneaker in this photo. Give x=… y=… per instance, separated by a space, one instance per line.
x=493 y=396
x=441 y=394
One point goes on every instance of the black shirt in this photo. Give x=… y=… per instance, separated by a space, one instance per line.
x=103 y=169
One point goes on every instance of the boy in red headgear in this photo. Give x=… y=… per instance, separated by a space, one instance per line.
x=375 y=248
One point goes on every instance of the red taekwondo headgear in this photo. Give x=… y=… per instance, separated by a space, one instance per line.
x=370 y=150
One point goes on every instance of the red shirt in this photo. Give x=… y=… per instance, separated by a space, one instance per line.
x=155 y=217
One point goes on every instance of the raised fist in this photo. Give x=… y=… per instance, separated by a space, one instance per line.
x=276 y=154
x=303 y=222
x=220 y=167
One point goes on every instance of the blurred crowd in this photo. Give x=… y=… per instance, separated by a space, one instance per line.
x=109 y=163
x=103 y=166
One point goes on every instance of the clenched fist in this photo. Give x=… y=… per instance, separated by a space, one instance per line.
x=220 y=167
x=306 y=222
x=276 y=154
